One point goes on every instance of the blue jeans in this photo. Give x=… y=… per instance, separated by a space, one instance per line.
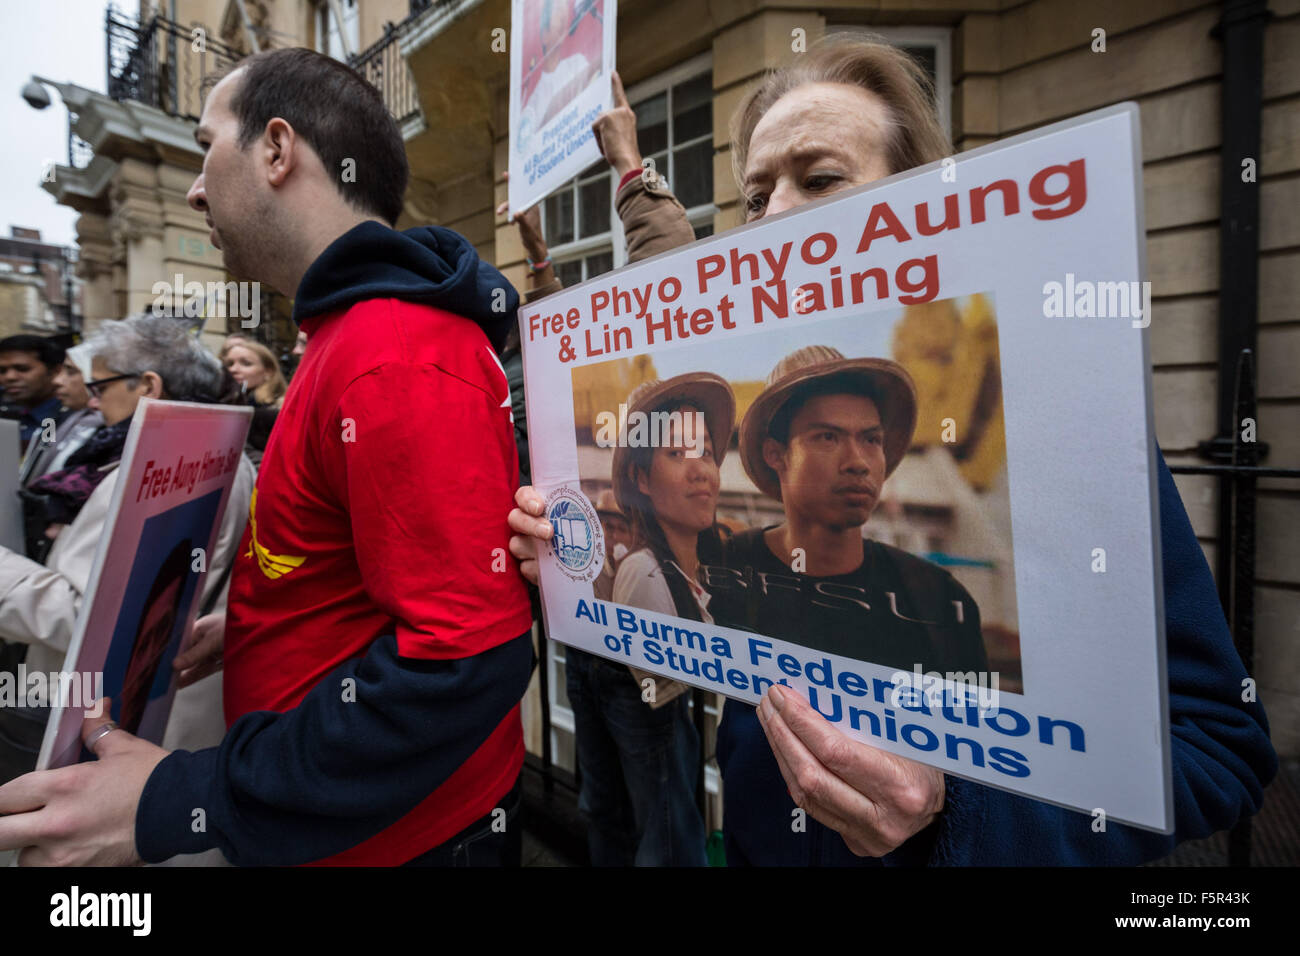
x=638 y=768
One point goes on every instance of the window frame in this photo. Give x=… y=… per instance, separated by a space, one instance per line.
x=349 y=31
x=613 y=239
x=940 y=38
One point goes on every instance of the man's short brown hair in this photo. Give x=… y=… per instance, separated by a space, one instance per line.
x=339 y=114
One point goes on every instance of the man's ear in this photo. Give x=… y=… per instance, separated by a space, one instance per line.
x=280 y=144
x=774 y=456
x=153 y=385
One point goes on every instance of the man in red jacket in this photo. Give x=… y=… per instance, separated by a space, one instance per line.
x=377 y=639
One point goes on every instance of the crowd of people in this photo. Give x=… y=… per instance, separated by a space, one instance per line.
x=399 y=470
x=74 y=407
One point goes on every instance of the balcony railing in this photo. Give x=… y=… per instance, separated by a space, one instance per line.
x=161 y=63
x=384 y=67
x=167 y=66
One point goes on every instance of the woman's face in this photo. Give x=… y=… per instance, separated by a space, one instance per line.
x=682 y=490
x=815 y=141
x=117 y=400
x=69 y=387
x=245 y=367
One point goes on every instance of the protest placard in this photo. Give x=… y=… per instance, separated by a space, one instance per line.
x=561 y=58
x=177 y=469
x=893 y=449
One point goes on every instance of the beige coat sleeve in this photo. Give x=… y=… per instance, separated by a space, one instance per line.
x=39 y=602
x=653 y=222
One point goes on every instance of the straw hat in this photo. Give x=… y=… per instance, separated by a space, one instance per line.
x=709 y=392
x=884 y=382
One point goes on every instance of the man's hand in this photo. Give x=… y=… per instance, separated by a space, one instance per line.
x=201 y=655
x=873 y=799
x=615 y=132
x=531 y=527
x=530 y=228
x=83 y=815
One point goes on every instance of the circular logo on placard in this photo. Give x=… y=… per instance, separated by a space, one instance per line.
x=578 y=542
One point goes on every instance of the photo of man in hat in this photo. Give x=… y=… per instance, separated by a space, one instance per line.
x=822 y=438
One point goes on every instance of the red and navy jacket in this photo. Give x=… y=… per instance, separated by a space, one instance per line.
x=377 y=638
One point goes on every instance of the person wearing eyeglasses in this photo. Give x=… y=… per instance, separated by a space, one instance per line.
x=144 y=356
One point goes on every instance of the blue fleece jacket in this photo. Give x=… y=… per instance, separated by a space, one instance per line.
x=1222 y=760
x=288 y=788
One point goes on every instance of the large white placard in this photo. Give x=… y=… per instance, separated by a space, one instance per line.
x=1020 y=530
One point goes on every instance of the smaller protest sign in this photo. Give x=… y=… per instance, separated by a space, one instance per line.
x=561 y=58
x=176 y=472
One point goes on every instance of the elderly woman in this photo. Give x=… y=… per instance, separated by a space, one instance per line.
x=144 y=356
x=846 y=113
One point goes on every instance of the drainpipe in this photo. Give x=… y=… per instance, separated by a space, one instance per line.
x=1241 y=30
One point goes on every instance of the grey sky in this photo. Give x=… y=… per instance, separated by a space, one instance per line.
x=62 y=40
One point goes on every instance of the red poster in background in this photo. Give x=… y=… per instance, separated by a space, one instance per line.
x=176 y=472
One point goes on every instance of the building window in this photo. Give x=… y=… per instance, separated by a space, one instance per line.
x=330 y=39
x=931 y=46
x=674 y=120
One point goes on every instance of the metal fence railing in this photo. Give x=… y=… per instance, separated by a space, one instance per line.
x=161 y=63
x=1236 y=471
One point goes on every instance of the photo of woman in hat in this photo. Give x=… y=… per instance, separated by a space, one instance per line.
x=669 y=494
x=637 y=745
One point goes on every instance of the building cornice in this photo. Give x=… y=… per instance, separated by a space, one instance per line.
x=118 y=129
x=82 y=188
x=432 y=22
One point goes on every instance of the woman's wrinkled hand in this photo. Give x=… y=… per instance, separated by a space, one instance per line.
x=530 y=527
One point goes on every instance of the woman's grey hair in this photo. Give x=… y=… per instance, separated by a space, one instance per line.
x=163 y=345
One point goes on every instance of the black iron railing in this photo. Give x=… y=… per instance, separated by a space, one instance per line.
x=167 y=66
x=1237 y=469
x=161 y=63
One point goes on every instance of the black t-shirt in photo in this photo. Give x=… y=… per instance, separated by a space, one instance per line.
x=896 y=609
